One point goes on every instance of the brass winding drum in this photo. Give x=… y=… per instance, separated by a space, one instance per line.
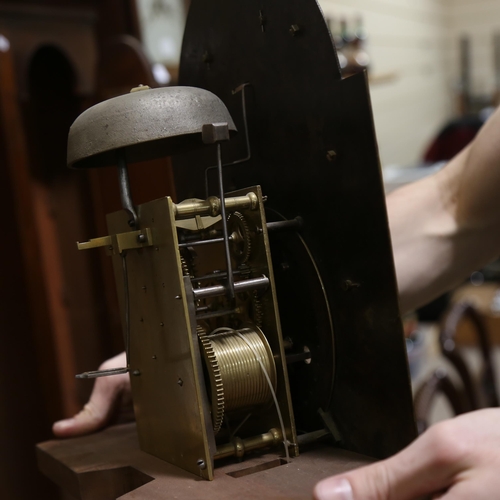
x=235 y=361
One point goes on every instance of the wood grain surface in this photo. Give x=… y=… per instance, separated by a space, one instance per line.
x=110 y=465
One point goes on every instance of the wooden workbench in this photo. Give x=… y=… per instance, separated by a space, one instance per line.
x=110 y=465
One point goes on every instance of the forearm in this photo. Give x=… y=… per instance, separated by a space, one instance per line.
x=422 y=232
x=448 y=225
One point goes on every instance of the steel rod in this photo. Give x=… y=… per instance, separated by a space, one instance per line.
x=127 y=307
x=312 y=437
x=241 y=89
x=230 y=277
x=285 y=225
x=239 y=286
x=215 y=314
x=295 y=358
x=102 y=373
x=202 y=242
x=216 y=276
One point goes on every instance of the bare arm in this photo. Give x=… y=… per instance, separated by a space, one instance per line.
x=448 y=225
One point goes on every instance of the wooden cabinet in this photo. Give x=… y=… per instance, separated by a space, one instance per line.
x=58 y=307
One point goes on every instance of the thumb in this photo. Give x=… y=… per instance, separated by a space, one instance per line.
x=334 y=488
x=426 y=466
x=368 y=483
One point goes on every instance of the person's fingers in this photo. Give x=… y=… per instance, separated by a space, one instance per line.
x=96 y=413
x=472 y=486
x=427 y=466
x=337 y=488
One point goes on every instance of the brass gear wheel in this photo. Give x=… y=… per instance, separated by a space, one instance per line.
x=214 y=375
x=187 y=265
x=236 y=361
x=257 y=309
x=241 y=238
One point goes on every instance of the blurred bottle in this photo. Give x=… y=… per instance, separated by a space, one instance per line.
x=335 y=30
x=345 y=51
x=357 y=58
x=496 y=53
x=347 y=35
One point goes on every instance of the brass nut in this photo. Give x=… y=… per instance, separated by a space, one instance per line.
x=214 y=203
x=276 y=435
x=239 y=447
x=254 y=200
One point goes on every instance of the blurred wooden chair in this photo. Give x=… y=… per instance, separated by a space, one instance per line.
x=471 y=393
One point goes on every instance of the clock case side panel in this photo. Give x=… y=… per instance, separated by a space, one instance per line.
x=298 y=110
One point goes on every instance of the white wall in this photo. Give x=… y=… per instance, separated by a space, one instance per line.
x=480 y=20
x=407 y=39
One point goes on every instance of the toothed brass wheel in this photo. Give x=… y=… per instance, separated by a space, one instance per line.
x=241 y=240
x=235 y=361
x=214 y=375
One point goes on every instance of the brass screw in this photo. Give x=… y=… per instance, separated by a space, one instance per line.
x=207 y=57
x=180 y=382
x=331 y=155
x=348 y=285
x=136 y=373
x=294 y=29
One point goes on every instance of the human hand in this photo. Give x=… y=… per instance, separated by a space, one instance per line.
x=458 y=459
x=109 y=395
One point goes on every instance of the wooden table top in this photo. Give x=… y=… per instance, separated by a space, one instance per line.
x=109 y=465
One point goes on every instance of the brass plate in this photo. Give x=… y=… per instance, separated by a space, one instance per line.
x=168 y=390
x=261 y=259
